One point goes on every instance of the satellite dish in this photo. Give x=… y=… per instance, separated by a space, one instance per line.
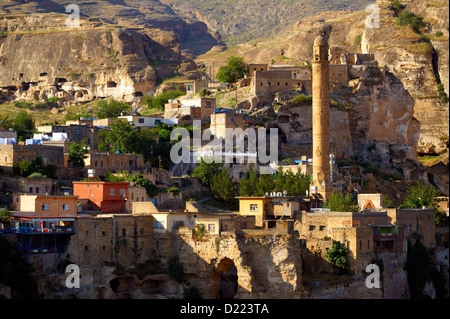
x=132 y=184
x=267 y=194
x=170 y=101
x=285 y=193
x=279 y=194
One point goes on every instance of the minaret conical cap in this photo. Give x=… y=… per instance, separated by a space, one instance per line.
x=320 y=41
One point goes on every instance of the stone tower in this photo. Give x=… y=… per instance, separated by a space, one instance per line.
x=321 y=118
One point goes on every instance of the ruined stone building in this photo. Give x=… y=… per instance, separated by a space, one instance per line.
x=14 y=153
x=103 y=162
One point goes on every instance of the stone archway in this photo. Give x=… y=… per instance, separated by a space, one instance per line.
x=228 y=279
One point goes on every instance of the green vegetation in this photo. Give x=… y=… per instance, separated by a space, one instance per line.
x=443 y=96
x=397 y=6
x=357 y=41
x=5 y=215
x=111 y=108
x=421 y=269
x=416 y=22
x=223 y=187
x=158 y=102
x=26 y=168
x=387 y=201
x=234 y=70
x=420 y=195
x=302 y=100
x=77 y=155
x=138 y=180
x=205 y=171
x=204 y=92
x=74 y=116
x=22 y=123
x=74 y=76
x=337 y=256
x=199 y=230
x=123 y=137
x=254 y=185
x=338 y=203
x=37 y=105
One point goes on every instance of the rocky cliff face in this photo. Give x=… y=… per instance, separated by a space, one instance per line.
x=240 y=21
x=412 y=58
x=40 y=57
x=421 y=65
x=148 y=14
x=373 y=121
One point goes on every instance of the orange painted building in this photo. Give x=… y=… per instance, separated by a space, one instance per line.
x=105 y=197
x=36 y=206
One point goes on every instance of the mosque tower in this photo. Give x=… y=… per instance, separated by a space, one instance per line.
x=321 y=118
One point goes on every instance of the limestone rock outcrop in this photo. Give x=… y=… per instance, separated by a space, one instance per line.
x=414 y=59
x=75 y=64
x=373 y=120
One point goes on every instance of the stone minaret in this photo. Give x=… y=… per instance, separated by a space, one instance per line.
x=321 y=118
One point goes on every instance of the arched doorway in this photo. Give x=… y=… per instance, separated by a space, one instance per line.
x=228 y=279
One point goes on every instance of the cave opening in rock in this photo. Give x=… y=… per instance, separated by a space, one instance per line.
x=114 y=284
x=228 y=279
x=111 y=84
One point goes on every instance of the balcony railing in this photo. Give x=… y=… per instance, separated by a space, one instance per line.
x=37 y=230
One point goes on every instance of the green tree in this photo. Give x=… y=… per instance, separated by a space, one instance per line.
x=419 y=195
x=141 y=181
x=266 y=184
x=158 y=101
x=23 y=123
x=416 y=22
x=6 y=122
x=138 y=180
x=121 y=136
x=248 y=184
x=397 y=6
x=204 y=92
x=111 y=108
x=234 y=70
x=164 y=135
x=77 y=155
x=338 y=203
x=205 y=172
x=223 y=187
x=387 y=201
x=26 y=168
x=5 y=215
x=337 y=256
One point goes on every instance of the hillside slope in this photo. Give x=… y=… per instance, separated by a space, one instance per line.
x=419 y=61
x=240 y=21
x=149 y=14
